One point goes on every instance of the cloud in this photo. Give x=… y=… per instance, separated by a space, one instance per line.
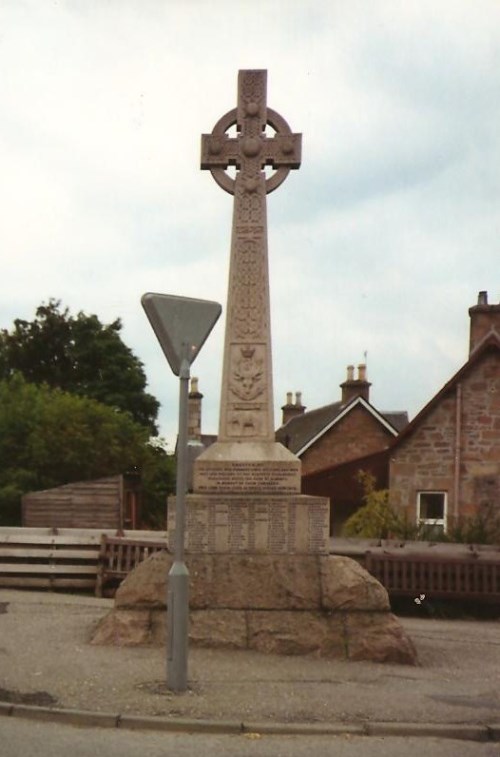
x=378 y=243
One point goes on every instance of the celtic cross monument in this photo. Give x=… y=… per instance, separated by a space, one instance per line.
x=246 y=410
x=246 y=486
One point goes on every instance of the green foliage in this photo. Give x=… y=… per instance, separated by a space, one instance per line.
x=49 y=437
x=158 y=481
x=481 y=528
x=78 y=354
x=376 y=519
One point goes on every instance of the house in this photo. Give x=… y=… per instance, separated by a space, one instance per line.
x=343 y=486
x=338 y=440
x=341 y=431
x=446 y=463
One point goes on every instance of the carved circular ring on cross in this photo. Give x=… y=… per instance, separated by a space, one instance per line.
x=277 y=123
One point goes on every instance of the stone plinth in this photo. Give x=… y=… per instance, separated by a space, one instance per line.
x=257 y=467
x=279 y=604
x=247 y=500
x=251 y=523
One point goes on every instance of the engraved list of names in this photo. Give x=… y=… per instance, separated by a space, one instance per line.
x=275 y=525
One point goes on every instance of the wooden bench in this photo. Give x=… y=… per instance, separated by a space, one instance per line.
x=48 y=560
x=71 y=559
x=475 y=577
x=119 y=555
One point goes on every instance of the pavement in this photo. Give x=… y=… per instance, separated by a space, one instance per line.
x=50 y=671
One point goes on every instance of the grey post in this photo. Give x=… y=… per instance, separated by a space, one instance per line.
x=178 y=577
x=181 y=325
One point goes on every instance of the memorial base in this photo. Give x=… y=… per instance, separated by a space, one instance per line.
x=242 y=466
x=275 y=604
x=253 y=524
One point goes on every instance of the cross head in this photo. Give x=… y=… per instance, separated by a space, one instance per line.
x=251 y=150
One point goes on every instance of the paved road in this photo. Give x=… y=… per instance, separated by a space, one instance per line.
x=46 y=661
x=20 y=738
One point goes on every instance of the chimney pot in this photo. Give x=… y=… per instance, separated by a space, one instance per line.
x=290 y=410
x=484 y=319
x=194 y=411
x=352 y=387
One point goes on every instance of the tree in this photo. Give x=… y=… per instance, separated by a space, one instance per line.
x=158 y=481
x=78 y=354
x=49 y=437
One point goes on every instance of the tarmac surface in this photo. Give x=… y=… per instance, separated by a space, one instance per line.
x=50 y=671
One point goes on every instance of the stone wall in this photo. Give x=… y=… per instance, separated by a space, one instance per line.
x=427 y=459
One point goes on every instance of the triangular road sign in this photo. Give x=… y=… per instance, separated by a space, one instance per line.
x=181 y=325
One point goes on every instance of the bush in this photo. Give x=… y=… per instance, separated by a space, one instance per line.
x=378 y=519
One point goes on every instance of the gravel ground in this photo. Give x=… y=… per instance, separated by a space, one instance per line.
x=46 y=659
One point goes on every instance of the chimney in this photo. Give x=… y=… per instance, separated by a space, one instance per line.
x=352 y=387
x=484 y=320
x=290 y=410
x=194 y=412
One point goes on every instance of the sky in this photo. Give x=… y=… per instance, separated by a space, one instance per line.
x=378 y=244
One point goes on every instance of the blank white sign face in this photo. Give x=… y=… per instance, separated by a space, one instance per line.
x=181 y=325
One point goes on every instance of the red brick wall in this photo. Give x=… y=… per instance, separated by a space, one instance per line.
x=426 y=460
x=355 y=435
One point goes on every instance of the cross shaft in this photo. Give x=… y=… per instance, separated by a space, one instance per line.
x=247 y=394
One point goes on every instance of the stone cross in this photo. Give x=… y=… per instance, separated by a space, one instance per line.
x=246 y=411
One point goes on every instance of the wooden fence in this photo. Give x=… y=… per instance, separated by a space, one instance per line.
x=475 y=578
x=45 y=558
x=97 y=560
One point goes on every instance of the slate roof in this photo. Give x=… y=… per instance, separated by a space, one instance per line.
x=302 y=431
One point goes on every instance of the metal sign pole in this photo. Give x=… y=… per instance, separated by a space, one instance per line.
x=178 y=577
x=181 y=325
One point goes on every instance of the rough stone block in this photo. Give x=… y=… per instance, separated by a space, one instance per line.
x=218 y=628
x=124 y=628
x=158 y=627
x=266 y=582
x=146 y=584
x=293 y=633
x=345 y=585
x=378 y=637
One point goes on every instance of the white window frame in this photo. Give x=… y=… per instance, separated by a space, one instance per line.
x=440 y=522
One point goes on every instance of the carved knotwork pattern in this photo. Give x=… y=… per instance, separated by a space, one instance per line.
x=253 y=90
x=249 y=291
x=253 y=87
x=248 y=205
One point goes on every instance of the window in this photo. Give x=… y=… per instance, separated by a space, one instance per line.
x=431 y=512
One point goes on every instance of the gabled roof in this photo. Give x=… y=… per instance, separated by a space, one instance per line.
x=299 y=433
x=491 y=343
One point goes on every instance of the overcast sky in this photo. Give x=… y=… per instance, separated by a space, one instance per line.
x=378 y=244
